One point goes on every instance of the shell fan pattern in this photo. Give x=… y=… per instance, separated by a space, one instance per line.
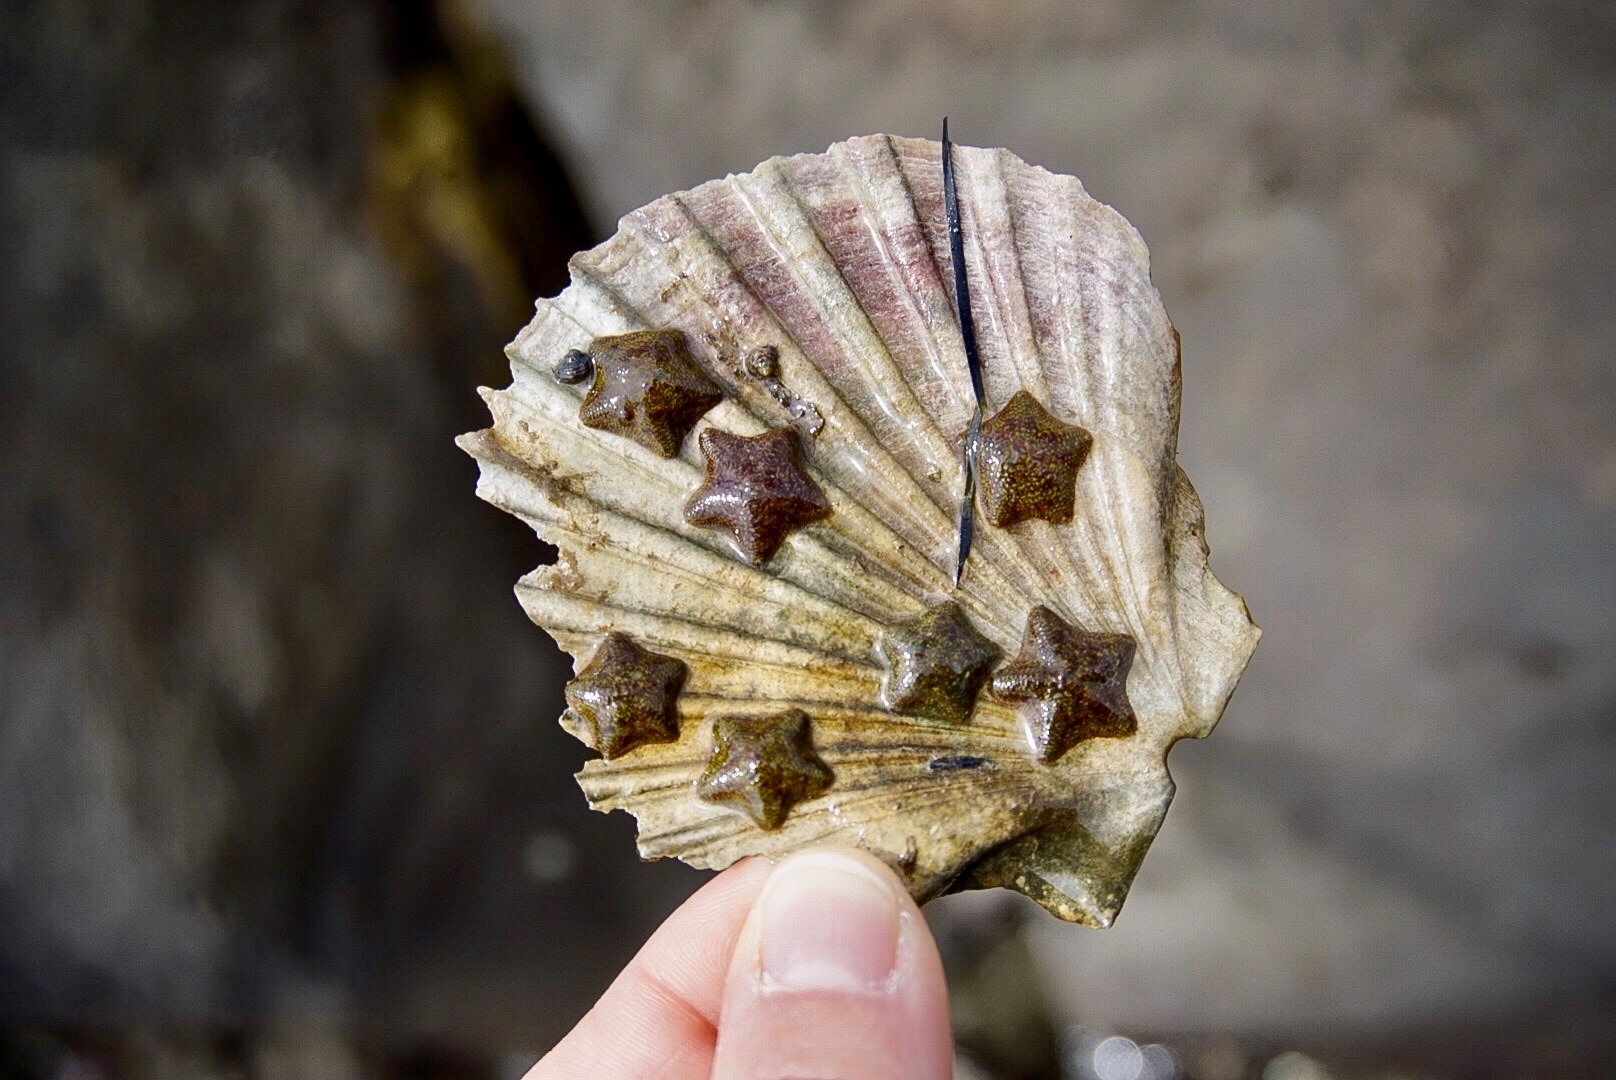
x=743 y=426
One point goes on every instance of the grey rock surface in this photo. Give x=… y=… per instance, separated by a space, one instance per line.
x=275 y=739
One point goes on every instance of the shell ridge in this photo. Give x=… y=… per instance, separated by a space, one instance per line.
x=646 y=774
x=856 y=759
x=566 y=608
x=597 y=472
x=989 y=196
x=1041 y=580
x=1133 y=405
x=1062 y=334
x=594 y=469
x=1026 y=357
x=899 y=215
x=846 y=639
x=1199 y=595
x=504 y=473
x=939 y=273
x=1014 y=561
x=585 y=444
x=918 y=535
x=1000 y=373
x=565 y=330
x=941 y=537
x=861 y=714
x=1156 y=657
x=1116 y=521
x=842 y=685
x=697 y=838
x=591 y=301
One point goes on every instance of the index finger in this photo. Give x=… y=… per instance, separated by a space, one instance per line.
x=660 y=1017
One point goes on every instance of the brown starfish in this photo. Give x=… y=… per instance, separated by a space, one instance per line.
x=1027 y=462
x=936 y=663
x=626 y=696
x=755 y=490
x=647 y=388
x=763 y=766
x=1071 y=682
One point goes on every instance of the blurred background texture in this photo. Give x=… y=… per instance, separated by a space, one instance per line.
x=281 y=790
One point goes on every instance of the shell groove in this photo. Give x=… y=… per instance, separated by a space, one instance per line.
x=814 y=295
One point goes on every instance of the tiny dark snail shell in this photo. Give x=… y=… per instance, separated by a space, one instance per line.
x=574 y=367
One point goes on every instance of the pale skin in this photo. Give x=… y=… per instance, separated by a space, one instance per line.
x=818 y=968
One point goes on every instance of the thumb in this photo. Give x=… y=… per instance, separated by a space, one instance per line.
x=835 y=976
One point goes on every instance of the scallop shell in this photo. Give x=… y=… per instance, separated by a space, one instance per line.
x=742 y=425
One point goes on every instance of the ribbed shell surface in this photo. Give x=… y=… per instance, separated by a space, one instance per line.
x=840 y=262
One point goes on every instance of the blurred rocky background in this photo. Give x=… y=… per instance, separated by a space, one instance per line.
x=281 y=793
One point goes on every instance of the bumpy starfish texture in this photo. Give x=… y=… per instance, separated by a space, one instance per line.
x=627 y=696
x=936 y=663
x=1072 y=684
x=764 y=765
x=647 y=388
x=755 y=490
x=1027 y=463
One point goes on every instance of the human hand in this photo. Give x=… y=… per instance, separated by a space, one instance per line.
x=819 y=967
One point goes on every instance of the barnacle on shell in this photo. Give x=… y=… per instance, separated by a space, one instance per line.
x=774 y=652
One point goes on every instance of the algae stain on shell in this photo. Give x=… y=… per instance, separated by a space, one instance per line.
x=798 y=567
